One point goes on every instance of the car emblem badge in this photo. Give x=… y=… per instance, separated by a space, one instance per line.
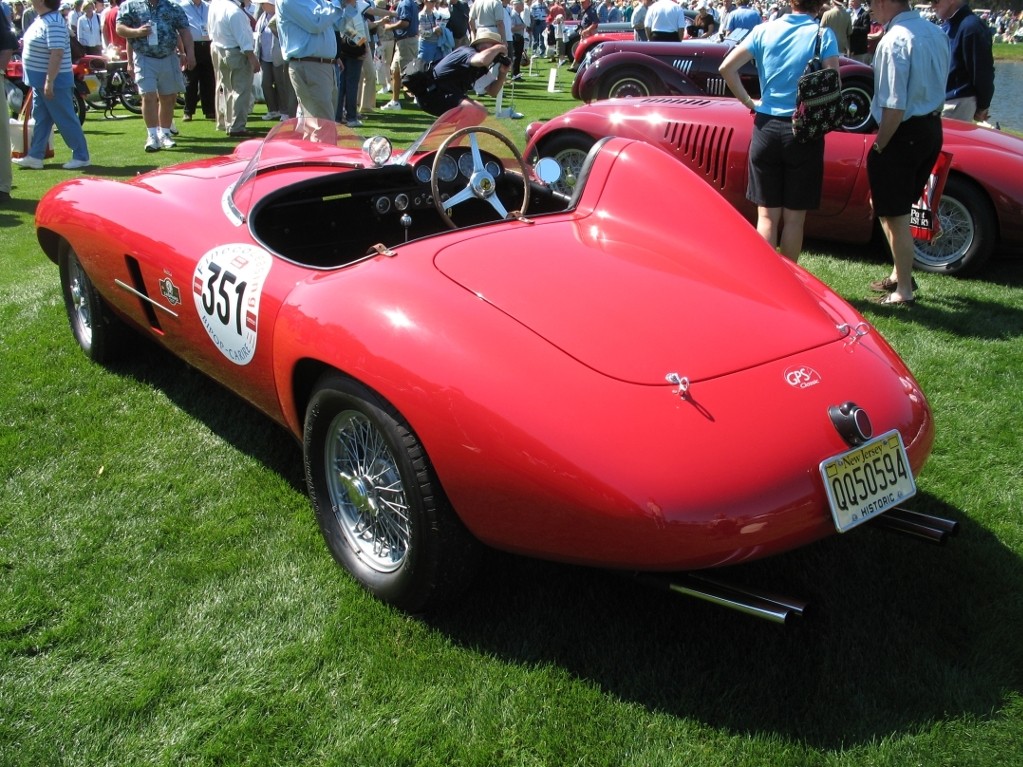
x=802 y=377
x=170 y=291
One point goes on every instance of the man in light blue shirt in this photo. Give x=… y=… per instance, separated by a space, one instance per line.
x=910 y=70
x=306 y=29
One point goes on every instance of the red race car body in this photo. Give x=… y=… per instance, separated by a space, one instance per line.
x=981 y=208
x=576 y=383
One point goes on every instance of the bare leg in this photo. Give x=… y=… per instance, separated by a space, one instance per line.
x=792 y=233
x=900 y=240
x=151 y=110
x=167 y=104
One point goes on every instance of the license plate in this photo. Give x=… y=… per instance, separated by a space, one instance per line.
x=867 y=480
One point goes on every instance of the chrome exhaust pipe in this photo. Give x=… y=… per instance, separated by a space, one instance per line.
x=917 y=524
x=760 y=604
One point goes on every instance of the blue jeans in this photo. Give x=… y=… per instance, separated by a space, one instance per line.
x=59 y=111
x=348 y=90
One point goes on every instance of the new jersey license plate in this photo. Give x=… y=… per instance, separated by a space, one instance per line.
x=867 y=480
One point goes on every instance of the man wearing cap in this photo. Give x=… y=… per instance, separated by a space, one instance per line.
x=199 y=82
x=306 y=30
x=455 y=74
x=162 y=44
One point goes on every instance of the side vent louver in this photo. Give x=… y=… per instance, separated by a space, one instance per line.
x=704 y=148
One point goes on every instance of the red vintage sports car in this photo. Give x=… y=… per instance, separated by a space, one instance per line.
x=629 y=69
x=981 y=209
x=467 y=356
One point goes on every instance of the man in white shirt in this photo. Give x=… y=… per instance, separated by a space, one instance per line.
x=665 y=22
x=235 y=62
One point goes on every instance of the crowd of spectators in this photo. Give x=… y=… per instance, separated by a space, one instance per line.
x=295 y=45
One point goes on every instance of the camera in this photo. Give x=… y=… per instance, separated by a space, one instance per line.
x=503 y=60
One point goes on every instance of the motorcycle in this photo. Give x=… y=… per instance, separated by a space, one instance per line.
x=106 y=82
x=17 y=89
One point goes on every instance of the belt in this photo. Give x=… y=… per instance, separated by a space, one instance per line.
x=928 y=116
x=315 y=59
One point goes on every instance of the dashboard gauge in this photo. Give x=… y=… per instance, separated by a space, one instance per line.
x=423 y=173
x=465 y=164
x=401 y=202
x=493 y=168
x=382 y=204
x=448 y=169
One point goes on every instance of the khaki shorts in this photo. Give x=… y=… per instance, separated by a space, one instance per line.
x=405 y=52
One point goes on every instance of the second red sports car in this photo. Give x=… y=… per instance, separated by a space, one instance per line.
x=981 y=208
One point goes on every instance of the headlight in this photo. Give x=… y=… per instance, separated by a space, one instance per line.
x=377 y=150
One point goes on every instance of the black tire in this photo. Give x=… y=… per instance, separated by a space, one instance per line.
x=627 y=82
x=379 y=506
x=80 y=108
x=856 y=97
x=969 y=231
x=130 y=98
x=570 y=151
x=99 y=332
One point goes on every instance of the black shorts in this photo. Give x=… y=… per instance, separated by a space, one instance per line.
x=898 y=175
x=783 y=173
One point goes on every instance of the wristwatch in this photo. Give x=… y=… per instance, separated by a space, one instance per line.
x=876 y=148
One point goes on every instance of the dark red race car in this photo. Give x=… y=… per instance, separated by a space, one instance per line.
x=625 y=68
x=981 y=209
x=467 y=355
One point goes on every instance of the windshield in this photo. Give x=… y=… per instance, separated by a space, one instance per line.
x=303 y=142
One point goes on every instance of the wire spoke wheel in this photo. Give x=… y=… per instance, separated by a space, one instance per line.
x=367 y=492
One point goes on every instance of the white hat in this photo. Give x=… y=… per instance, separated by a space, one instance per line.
x=487 y=34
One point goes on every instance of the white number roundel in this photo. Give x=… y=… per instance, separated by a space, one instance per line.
x=226 y=287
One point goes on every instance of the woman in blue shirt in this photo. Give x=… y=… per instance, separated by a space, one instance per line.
x=785 y=176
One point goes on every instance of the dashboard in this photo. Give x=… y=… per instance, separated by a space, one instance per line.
x=453 y=175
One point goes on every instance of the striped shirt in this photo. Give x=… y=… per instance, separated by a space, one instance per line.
x=47 y=32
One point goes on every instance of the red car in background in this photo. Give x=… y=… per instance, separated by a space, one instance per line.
x=981 y=209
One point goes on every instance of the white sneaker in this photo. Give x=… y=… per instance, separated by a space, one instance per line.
x=153 y=144
x=174 y=130
x=392 y=106
x=271 y=116
x=28 y=163
x=166 y=142
x=354 y=123
x=73 y=164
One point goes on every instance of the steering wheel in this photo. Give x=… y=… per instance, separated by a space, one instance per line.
x=482 y=185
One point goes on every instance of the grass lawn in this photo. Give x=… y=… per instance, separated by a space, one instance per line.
x=166 y=599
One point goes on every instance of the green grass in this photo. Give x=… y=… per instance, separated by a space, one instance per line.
x=165 y=597
x=1008 y=51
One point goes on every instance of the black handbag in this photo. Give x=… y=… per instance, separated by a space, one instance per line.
x=819 y=106
x=349 y=49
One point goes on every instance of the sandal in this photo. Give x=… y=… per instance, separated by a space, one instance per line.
x=887 y=300
x=887 y=285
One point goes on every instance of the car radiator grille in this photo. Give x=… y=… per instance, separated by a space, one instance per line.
x=704 y=149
